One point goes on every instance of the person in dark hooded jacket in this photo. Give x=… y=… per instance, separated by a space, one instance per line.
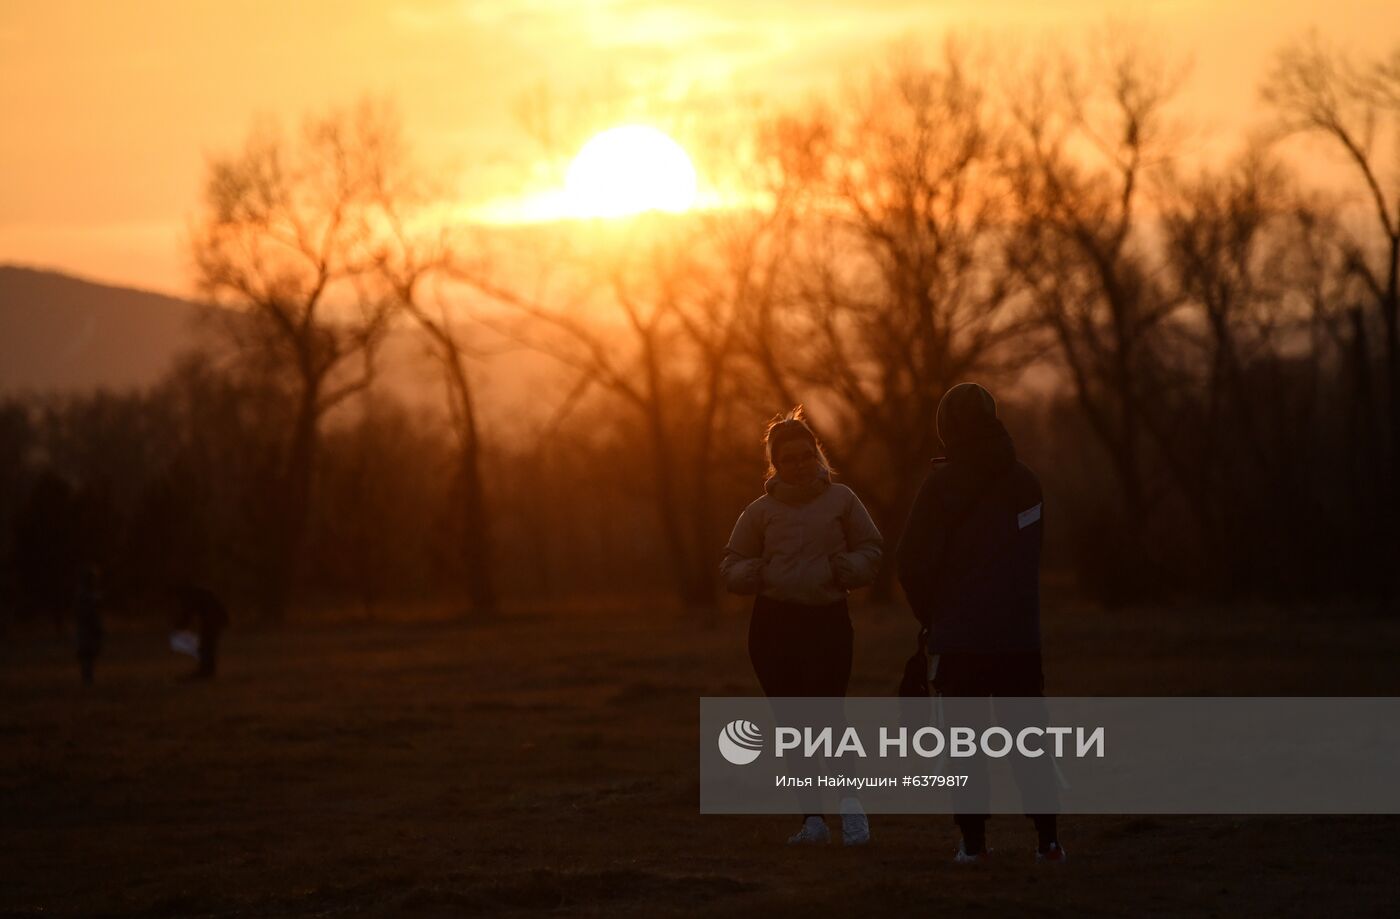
x=200 y=608
x=969 y=562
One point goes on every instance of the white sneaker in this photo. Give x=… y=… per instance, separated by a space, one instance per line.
x=855 y=827
x=962 y=858
x=813 y=833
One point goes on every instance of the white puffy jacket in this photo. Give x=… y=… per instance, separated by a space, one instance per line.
x=811 y=553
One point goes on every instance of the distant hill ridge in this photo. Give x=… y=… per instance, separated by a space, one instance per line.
x=59 y=332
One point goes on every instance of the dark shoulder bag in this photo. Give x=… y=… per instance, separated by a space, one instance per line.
x=915 y=682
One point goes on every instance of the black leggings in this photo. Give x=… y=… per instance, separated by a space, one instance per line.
x=965 y=677
x=800 y=650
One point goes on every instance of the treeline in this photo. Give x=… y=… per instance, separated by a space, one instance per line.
x=173 y=485
x=1202 y=363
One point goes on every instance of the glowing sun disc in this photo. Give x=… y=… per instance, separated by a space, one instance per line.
x=628 y=170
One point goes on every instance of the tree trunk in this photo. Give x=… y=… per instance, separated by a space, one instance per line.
x=1391 y=315
x=295 y=497
x=1373 y=574
x=477 y=531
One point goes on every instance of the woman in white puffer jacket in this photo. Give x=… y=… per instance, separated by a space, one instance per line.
x=801 y=548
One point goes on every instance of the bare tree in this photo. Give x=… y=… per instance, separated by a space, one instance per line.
x=1088 y=144
x=414 y=253
x=1315 y=90
x=1227 y=245
x=650 y=313
x=285 y=240
x=897 y=286
x=649 y=309
x=440 y=319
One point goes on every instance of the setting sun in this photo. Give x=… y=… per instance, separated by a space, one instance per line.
x=628 y=170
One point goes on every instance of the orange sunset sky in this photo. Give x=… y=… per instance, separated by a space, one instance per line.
x=110 y=109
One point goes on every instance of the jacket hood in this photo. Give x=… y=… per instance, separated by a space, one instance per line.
x=966 y=412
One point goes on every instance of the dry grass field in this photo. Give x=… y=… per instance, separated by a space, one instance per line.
x=545 y=764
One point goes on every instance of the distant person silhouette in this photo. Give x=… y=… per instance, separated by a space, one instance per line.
x=201 y=609
x=801 y=548
x=969 y=562
x=87 y=619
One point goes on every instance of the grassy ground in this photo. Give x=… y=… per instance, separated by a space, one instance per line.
x=547 y=764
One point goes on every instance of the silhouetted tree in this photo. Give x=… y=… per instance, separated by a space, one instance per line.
x=650 y=314
x=409 y=259
x=1087 y=144
x=897 y=287
x=1227 y=250
x=1316 y=90
x=286 y=239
